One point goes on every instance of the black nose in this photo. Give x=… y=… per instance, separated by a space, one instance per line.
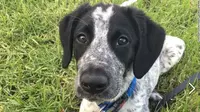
x=94 y=83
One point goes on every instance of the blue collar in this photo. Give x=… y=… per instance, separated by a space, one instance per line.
x=116 y=105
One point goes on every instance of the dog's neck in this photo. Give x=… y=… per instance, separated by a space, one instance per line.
x=126 y=83
x=118 y=104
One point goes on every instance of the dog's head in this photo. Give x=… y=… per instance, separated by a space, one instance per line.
x=107 y=42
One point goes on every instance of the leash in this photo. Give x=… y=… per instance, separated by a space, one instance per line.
x=167 y=97
x=116 y=106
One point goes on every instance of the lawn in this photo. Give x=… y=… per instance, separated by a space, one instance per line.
x=31 y=77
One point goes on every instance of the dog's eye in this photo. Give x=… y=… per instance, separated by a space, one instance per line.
x=81 y=38
x=122 y=40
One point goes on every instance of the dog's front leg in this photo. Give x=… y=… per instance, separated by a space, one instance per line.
x=87 y=106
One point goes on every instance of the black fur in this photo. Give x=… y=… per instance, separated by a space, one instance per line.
x=66 y=30
x=151 y=37
x=145 y=37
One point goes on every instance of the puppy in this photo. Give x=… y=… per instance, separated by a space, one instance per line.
x=112 y=45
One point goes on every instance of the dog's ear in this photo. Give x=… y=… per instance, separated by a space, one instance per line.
x=151 y=37
x=66 y=29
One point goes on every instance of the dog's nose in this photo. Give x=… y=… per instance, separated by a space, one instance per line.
x=94 y=83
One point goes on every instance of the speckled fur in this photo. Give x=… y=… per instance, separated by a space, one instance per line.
x=100 y=51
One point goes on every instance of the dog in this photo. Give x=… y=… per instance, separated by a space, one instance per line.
x=112 y=45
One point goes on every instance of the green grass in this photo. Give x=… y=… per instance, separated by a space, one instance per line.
x=31 y=77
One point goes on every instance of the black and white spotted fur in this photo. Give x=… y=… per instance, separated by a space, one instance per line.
x=148 y=54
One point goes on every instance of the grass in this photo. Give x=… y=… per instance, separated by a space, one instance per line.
x=31 y=77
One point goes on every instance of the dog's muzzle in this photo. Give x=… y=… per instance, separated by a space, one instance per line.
x=99 y=79
x=94 y=80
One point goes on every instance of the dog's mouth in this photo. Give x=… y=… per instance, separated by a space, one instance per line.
x=106 y=95
x=94 y=98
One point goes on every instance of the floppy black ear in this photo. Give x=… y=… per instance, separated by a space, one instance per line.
x=66 y=30
x=151 y=37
